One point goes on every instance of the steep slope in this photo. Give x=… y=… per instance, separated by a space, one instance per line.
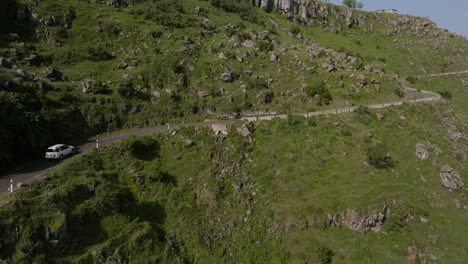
x=373 y=186
x=127 y=64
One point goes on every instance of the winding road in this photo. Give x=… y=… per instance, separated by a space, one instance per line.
x=36 y=169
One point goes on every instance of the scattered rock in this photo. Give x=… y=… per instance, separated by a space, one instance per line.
x=361 y=79
x=274 y=57
x=421 y=151
x=246 y=129
x=379 y=116
x=86 y=85
x=328 y=65
x=199 y=10
x=220 y=129
x=354 y=221
x=206 y=23
x=26 y=75
x=264 y=97
x=228 y=75
x=412 y=257
x=155 y=94
x=52 y=74
x=203 y=93
x=33 y=60
x=450 y=178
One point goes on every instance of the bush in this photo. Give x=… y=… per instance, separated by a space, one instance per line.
x=126 y=90
x=111 y=198
x=295 y=30
x=241 y=7
x=155 y=172
x=378 y=157
x=98 y=53
x=141 y=147
x=319 y=90
x=445 y=94
x=362 y=113
x=411 y=79
x=265 y=46
x=324 y=255
x=399 y=92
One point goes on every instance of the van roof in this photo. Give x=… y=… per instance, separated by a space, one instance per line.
x=56 y=146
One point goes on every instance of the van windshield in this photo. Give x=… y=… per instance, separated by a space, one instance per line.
x=50 y=150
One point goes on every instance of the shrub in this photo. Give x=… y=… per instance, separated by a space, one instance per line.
x=362 y=113
x=399 y=92
x=98 y=53
x=241 y=7
x=445 y=94
x=411 y=79
x=141 y=147
x=265 y=46
x=319 y=90
x=295 y=30
x=126 y=90
x=324 y=255
x=154 y=172
x=378 y=157
x=111 y=198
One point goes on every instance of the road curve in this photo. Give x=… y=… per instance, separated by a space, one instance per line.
x=442 y=74
x=37 y=168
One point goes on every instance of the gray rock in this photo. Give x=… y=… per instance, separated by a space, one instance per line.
x=26 y=75
x=227 y=76
x=274 y=57
x=361 y=79
x=155 y=94
x=33 y=60
x=450 y=179
x=264 y=97
x=86 y=85
x=198 y=10
x=248 y=44
x=354 y=221
x=236 y=40
x=206 y=23
x=421 y=151
x=246 y=129
x=52 y=74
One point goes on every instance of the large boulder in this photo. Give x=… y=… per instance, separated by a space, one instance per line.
x=450 y=179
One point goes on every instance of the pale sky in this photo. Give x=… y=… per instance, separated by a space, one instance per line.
x=449 y=14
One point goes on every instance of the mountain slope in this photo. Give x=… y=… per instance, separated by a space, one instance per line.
x=372 y=186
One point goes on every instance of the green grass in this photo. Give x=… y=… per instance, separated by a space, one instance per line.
x=223 y=199
x=296 y=170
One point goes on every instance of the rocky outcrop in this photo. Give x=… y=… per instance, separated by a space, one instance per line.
x=355 y=221
x=450 y=179
x=317 y=13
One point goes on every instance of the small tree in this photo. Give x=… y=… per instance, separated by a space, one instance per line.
x=377 y=155
x=319 y=90
x=353 y=4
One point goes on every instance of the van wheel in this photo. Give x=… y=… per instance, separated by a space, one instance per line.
x=61 y=157
x=73 y=152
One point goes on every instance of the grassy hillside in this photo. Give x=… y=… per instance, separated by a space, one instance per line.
x=191 y=196
x=152 y=62
x=361 y=187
